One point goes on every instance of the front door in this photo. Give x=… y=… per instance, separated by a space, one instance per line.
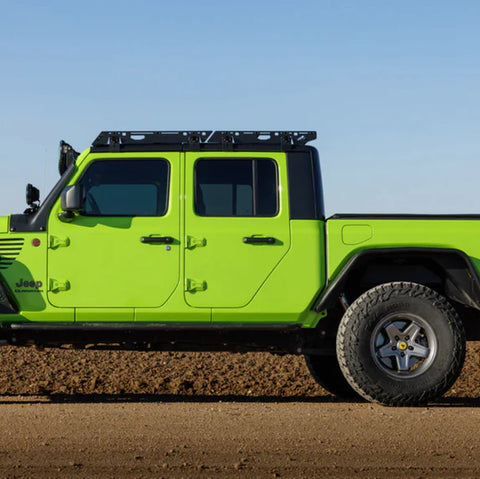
x=123 y=250
x=236 y=223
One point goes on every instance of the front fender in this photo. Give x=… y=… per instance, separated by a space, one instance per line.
x=7 y=303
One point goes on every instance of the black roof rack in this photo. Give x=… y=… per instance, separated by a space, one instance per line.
x=201 y=140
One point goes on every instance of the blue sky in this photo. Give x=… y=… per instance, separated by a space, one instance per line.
x=393 y=88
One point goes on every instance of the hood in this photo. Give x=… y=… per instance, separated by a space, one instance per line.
x=4 y=221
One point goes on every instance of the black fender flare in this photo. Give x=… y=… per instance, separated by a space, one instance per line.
x=7 y=303
x=462 y=282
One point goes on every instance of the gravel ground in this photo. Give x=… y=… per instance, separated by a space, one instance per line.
x=26 y=371
x=85 y=414
x=235 y=440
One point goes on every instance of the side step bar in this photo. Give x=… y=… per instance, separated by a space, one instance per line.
x=283 y=339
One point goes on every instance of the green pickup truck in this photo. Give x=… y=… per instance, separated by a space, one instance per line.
x=217 y=241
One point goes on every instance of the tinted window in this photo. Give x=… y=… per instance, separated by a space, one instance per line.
x=236 y=187
x=126 y=188
x=305 y=185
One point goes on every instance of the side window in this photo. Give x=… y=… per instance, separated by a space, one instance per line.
x=126 y=188
x=228 y=187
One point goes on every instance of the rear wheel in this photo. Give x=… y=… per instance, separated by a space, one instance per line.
x=401 y=344
x=326 y=372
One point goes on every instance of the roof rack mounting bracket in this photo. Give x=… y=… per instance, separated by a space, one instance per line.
x=115 y=143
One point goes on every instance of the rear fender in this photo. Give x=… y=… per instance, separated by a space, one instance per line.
x=450 y=271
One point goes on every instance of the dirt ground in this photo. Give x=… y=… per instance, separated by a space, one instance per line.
x=57 y=373
x=130 y=414
x=236 y=440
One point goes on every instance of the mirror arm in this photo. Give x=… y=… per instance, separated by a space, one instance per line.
x=66 y=216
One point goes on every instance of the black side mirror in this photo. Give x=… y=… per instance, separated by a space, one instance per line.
x=71 y=201
x=33 y=199
x=32 y=194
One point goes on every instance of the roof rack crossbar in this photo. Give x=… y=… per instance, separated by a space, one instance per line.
x=228 y=139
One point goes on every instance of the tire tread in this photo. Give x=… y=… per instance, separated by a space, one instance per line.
x=347 y=340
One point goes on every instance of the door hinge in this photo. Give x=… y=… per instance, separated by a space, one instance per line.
x=193 y=285
x=56 y=286
x=57 y=242
x=322 y=314
x=193 y=242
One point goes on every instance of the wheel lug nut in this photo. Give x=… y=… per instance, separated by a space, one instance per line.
x=407 y=338
x=410 y=347
x=396 y=338
x=402 y=354
x=394 y=348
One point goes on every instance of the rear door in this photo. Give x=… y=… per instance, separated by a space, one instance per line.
x=236 y=223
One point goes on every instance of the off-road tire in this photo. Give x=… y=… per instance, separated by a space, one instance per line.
x=361 y=367
x=326 y=372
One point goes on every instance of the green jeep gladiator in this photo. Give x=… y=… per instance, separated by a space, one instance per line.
x=217 y=240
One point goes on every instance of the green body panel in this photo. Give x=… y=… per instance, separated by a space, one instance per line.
x=175 y=309
x=105 y=263
x=26 y=278
x=232 y=271
x=4 y=221
x=95 y=269
x=288 y=292
x=461 y=234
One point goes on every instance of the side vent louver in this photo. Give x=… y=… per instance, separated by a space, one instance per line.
x=10 y=248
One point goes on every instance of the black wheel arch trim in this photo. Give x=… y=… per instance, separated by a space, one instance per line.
x=7 y=303
x=461 y=279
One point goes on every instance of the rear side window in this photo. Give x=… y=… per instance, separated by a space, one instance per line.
x=126 y=188
x=231 y=187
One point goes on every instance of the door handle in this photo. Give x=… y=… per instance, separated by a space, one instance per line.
x=157 y=239
x=258 y=239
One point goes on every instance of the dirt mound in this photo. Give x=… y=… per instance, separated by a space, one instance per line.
x=26 y=371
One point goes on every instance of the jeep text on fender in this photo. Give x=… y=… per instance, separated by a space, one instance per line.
x=216 y=240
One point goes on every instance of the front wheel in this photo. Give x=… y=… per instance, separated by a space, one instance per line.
x=401 y=344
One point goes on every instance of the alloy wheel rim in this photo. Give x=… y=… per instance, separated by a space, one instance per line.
x=403 y=345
